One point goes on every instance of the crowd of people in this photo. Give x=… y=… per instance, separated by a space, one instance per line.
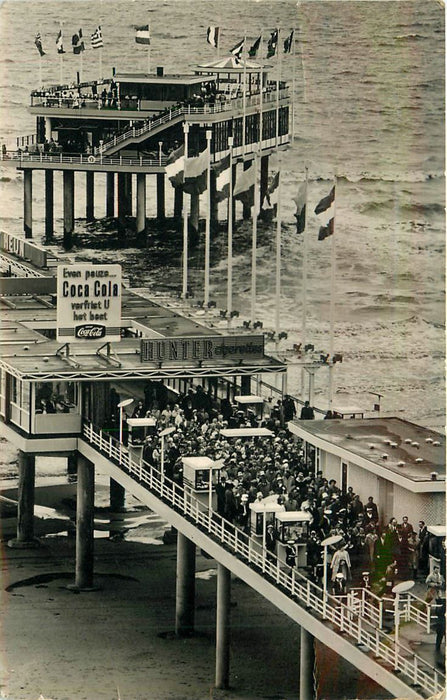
x=367 y=553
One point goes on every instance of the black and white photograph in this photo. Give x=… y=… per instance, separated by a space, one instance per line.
x=222 y=349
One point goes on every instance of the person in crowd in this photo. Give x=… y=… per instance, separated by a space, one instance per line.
x=372 y=508
x=440 y=622
x=307 y=412
x=423 y=537
x=435 y=584
x=270 y=539
x=289 y=408
x=339 y=585
x=341 y=564
x=405 y=529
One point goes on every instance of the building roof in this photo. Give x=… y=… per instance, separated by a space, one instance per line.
x=165 y=79
x=392 y=447
x=229 y=64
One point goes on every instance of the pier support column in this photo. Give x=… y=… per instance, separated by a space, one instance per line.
x=245 y=385
x=68 y=180
x=25 y=497
x=307 y=662
x=110 y=195
x=178 y=202
x=117 y=497
x=122 y=207
x=223 y=608
x=90 y=196
x=49 y=205
x=214 y=211
x=141 y=203
x=246 y=211
x=264 y=177
x=128 y=189
x=195 y=211
x=185 y=590
x=85 y=501
x=28 y=203
x=161 y=197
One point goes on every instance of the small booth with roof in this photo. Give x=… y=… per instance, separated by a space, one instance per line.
x=292 y=529
x=200 y=476
x=252 y=406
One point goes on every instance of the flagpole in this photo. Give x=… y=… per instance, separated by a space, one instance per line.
x=185 y=222
x=40 y=60
x=278 y=78
x=278 y=209
x=254 y=242
x=60 y=56
x=293 y=84
x=80 y=72
x=230 y=235
x=149 y=49
x=332 y=307
x=304 y=290
x=209 y=134
x=244 y=96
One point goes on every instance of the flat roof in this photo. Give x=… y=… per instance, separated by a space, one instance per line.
x=248 y=398
x=165 y=79
x=404 y=444
x=246 y=432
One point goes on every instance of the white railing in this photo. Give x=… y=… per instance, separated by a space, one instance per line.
x=359 y=629
x=82 y=159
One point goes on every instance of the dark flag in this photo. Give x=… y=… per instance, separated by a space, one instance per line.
x=326 y=202
x=38 y=42
x=77 y=42
x=327 y=230
x=237 y=50
x=253 y=50
x=272 y=44
x=288 y=42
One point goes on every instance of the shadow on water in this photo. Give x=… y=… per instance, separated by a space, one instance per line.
x=40 y=580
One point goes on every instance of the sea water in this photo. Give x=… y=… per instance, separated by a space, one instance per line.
x=368 y=80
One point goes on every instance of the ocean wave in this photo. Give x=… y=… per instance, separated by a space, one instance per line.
x=422 y=209
x=410 y=37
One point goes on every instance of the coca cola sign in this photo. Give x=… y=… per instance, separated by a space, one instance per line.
x=90 y=331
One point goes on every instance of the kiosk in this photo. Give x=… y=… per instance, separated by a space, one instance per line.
x=436 y=543
x=200 y=476
x=292 y=532
x=143 y=426
x=252 y=403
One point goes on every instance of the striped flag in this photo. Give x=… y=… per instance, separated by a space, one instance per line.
x=60 y=42
x=244 y=188
x=301 y=201
x=142 y=35
x=326 y=206
x=175 y=167
x=212 y=36
x=288 y=42
x=253 y=50
x=272 y=44
x=78 y=42
x=38 y=43
x=222 y=172
x=97 y=42
x=237 y=50
x=195 y=173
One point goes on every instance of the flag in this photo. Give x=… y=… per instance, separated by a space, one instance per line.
x=38 y=42
x=288 y=42
x=237 y=50
x=175 y=166
x=77 y=42
x=222 y=172
x=244 y=188
x=97 y=42
x=142 y=35
x=212 y=36
x=195 y=173
x=326 y=205
x=60 y=42
x=300 y=201
x=272 y=44
x=253 y=50
x=270 y=203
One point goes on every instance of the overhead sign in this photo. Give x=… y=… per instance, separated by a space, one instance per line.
x=88 y=302
x=229 y=347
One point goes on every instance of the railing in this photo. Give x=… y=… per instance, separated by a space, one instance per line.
x=20 y=270
x=82 y=159
x=228 y=105
x=359 y=629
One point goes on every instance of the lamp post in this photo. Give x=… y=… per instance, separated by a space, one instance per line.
x=121 y=405
x=334 y=539
x=163 y=433
x=399 y=588
x=160 y=144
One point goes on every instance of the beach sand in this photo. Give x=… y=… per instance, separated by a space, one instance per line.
x=118 y=642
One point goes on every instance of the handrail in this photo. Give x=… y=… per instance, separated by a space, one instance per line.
x=82 y=159
x=297 y=586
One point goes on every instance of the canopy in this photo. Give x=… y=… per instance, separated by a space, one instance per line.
x=198 y=462
x=293 y=516
x=229 y=64
x=247 y=399
x=246 y=432
x=141 y=422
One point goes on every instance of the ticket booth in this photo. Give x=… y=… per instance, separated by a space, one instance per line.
x=200 y=476
x=252 y=406
x=139 y=428
x=436 y=547
x=292 y=529
x=262 y=513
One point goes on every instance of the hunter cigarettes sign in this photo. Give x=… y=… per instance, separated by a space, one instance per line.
x=232 y=347
x=88 y=302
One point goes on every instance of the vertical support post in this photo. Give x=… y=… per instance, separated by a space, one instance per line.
x=90 y=196
x=245 y=385
x=141 y=202
x=195 y=212
x=246 y=210
x=68 y=180
x=84 y=524
x=49 y=205
x=307 y=661
x=110 y=195
x=178 y=202
x=233 y=201
x=185 y=252
x=28 y=203
x=214 y=212
x=25 y=512
x=185 y=589
x=209 y=134
x=117 y=497
x=223 y=609
x=264 y=176
x=128 y=191
x=122 y=207
x=161 y=197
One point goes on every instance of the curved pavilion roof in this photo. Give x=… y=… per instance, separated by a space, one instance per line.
x=229 y=64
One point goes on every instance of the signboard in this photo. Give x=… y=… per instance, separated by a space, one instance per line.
x=88 y=303
x=22 y=249
x=228 y=347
